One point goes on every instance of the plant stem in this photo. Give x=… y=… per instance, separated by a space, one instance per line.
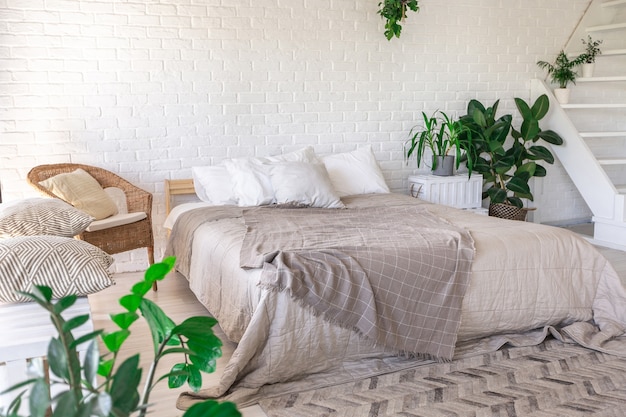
x=151 y=372
x=75 y=385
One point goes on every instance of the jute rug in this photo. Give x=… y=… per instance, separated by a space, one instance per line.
x=550 y=379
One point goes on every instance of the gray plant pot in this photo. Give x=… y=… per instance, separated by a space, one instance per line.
x=443 y=166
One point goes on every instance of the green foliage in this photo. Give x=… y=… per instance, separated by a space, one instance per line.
x=592 y=49
x=394 y=11
x=440 y=134
x=562 y=72
x=507 y=163
x=102 y=388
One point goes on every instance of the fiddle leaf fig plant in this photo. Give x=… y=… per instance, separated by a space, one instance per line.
x=506 y=156
x=394 y=12
x=100 y=386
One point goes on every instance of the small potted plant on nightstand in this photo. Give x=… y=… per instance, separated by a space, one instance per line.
x=592 y=49
x=562 y=72
x=441 y=135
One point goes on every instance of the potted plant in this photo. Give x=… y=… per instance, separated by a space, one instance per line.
x=440 y=134
x=394 y=11
x=592 y=49
x=102 y=387
x=508 y=157
x=562 y=72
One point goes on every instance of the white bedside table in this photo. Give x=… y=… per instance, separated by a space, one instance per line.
x=456 y=191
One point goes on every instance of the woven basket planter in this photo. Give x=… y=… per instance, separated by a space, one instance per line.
x=507 y=211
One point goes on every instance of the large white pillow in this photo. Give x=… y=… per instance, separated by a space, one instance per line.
x=303 y=184
x=355 y=172
x=214 y=184
x=67 y=265
x=41 y=216
x=251 y=177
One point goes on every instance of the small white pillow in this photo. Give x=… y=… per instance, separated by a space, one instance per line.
x=250 y=176
x=303 y=183
x=251 y=182
x=355 y=172
x=214 y=185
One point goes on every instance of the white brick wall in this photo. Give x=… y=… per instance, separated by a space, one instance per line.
x=149 y=89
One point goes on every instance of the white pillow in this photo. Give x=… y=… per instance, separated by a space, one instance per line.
x=303 y=183
x=251 y=182
x=355 y=172
x=214 y=184
x=250 y=176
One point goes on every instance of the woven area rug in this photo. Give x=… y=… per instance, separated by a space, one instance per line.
x=551 y=379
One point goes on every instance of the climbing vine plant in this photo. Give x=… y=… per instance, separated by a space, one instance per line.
x=394 y=12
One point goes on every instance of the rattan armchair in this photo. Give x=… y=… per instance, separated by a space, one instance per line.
x=114 y=239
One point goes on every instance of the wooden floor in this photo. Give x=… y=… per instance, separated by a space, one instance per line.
x=175 y=298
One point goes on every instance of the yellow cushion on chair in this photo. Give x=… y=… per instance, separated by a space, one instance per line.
x=83 y=192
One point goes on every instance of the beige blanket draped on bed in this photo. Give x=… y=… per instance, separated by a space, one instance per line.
x=399 y=286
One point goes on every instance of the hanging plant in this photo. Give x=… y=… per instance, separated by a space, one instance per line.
x=394 y=11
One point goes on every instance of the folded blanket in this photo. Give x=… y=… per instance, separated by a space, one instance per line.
x=399 y=284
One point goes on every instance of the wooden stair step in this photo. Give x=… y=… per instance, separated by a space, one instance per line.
x=614 y=3
x=601 y=79
x=594 y=106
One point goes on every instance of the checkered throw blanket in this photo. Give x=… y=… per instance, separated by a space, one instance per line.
x=396 y=275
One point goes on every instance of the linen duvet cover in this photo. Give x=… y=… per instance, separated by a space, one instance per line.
x=512 y=282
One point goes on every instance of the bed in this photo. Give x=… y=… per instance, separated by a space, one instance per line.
x=512 y=282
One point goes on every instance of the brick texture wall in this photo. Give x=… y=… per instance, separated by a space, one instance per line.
x=149 y=88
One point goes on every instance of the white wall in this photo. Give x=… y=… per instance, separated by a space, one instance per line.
x=150 y=88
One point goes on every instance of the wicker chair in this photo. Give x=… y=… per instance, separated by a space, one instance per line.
x=114 y=239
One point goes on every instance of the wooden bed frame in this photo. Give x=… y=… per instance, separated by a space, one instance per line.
x=177 y=187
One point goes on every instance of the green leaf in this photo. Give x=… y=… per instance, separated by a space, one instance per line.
x=541 y=152
x=178 y=376
x=130 y=302
x=57 y=359
x=66 y=404
x=75 y=322
x=551 y=137
x=91 y=363
x=124 y=320
x=84 y=338
x=528 y=167
x=541 y=107
x=195 y=326
x=496 y=195
x=141 y=288
x=518 y=185
x=530 y=129
x=160 y=324
x=158 y=271
x=124 y=394
x=113 y=341
x=39 y=398
x=514 y=201
x=104 y=403
x=540 y=171
x=43 y=291
x=64 y=303
x=523 y=108
x=212 y=408
x=194 y=380
x=105 y=367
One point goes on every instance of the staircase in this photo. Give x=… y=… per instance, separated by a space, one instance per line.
x=593 y=124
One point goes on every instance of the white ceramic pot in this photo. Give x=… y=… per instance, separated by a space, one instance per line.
x=562 y=95
x=588 y=70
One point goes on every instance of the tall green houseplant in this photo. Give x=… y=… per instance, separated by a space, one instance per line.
x=506 y=156
x=100 y=386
